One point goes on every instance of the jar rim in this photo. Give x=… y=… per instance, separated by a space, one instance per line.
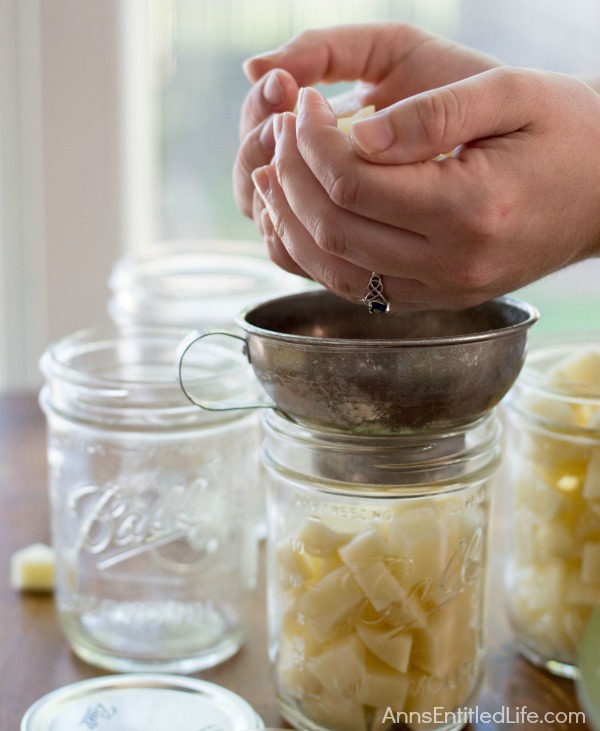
x=550 y=351
x=161 y=283
x=419 y=461
x=119 y=374
x=547 y=394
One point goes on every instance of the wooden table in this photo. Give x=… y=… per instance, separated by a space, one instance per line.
x=35 y=659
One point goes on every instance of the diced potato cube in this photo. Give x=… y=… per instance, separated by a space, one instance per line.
x=581 y=593
x=408 y=613
x=552 y=410
x=327 y=604
x=542 y=585
x=590 y=563
x=422 y=537
x=532 y=492
x=390 y=646
x=581 y=368
x=591 y=486
x=296 y=646
x=296 y=681
x=345 y=122
x=340 y=667
x=32 y=568
x=555 y=540
x=554 y=458
x=594 y=422
x=319 y=539
x=379 y=585
x=292 y=567
x=364 y=549
x=525 y=530
x=447 y=642
x=381 y=689
x=548 y=632
x=586 y=525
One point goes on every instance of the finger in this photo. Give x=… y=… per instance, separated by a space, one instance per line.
x=277 y=251
x=256 y=150
x=395 y=60
x=258 y=208
x=426 y=267
x=490 y=104
x=368 y=244
x=276 y=92
x=402 y=196
x=340 y=53
x=338 y=275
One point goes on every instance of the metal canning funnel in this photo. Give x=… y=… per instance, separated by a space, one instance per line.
x=326 y=362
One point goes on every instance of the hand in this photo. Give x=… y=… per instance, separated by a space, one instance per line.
x=519 y=201
x=391 y=61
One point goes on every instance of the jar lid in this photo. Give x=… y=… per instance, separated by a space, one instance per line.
x=141 y=702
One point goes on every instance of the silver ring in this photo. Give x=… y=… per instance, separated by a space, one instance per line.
x=375 y=299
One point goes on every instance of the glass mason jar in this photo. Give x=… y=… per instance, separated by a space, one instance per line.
x=377 y=556
x=553 y=461
x=194 y=283
x=198 y=284
x=151 y=500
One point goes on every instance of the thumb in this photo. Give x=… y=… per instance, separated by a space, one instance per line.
x=436 y=122
x=305 y=60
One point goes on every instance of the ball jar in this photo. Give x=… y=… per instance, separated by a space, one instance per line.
x=377 y=565
x=152 y=516
x=553 y=463
x=194 y=284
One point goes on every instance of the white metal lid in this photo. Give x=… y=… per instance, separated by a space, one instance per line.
x=141 y=702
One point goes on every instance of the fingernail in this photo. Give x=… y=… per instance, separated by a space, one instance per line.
x=266 y=223
x=373 y=134
x=301 y=91
x=261 y=182
x=269 y=58
x=273 y=90
x=266 y=135
x=277 y=125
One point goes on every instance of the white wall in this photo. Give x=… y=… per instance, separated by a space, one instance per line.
x=73 y=191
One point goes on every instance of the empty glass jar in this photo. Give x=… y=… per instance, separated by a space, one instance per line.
x=553 y=459
x=152 y=500
x=376 y=571
x=198 y=284
x=195 y=283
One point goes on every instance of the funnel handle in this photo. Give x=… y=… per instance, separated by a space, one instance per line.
x=182 y=350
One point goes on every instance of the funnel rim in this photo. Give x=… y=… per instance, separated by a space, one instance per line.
x=530 y=313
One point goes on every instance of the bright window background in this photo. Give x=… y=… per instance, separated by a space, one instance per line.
x=200 y=46
x=118 y=128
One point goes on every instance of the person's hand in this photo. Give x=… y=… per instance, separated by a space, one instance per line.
x=519 y=201
x=389 y=61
